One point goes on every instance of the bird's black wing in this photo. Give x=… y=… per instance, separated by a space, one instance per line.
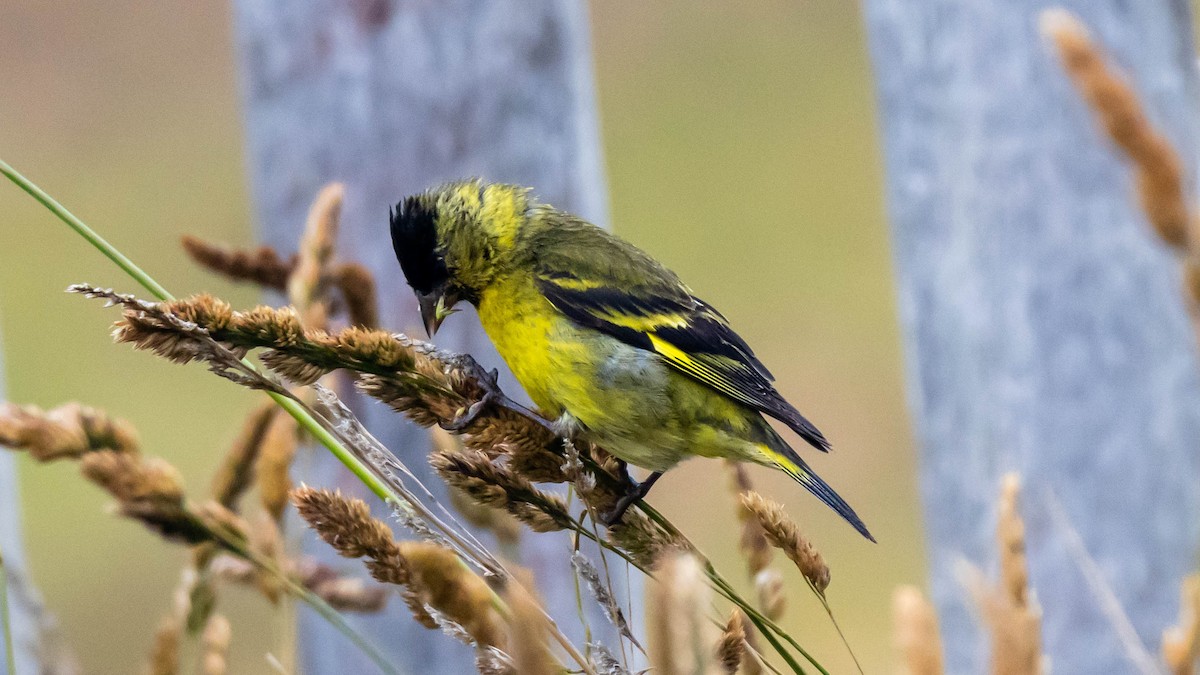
x=612 y=287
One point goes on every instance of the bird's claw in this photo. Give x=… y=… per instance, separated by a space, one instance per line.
x=489 y=383
x=634 y=494
x=469 y=415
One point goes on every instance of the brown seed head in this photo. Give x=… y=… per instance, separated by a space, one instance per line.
x=731 y=649
x=917 y=637
x=784 y=535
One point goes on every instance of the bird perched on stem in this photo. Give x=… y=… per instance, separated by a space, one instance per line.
x=601 y=336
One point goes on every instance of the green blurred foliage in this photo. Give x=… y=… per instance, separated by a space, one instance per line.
x=741 y=150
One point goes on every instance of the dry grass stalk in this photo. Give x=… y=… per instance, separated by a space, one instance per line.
x=644 y=541
x=1009 y=610
x=234 y=475
x=164 y=655
x=917 y=636
x=264 y=266
x=493 y=485
x=343 y=593
x=433 y=573
x=1181 y=643
x=601 y=592
x=445 y=584
x=528 y=630
x=265 y=539
x=272 y=468
x=149 y=490
x=485 y=517
x=784 y=535
x=731 y=649
x=307 y=284
x=1158 y=170
x=357 y=285
x=214 y=643
x=681 y=638
x=261 y=266
x=757 y=552
x=66 y=432
x=753 y=541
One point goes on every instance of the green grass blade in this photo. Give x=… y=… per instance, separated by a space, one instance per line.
x=86 y=232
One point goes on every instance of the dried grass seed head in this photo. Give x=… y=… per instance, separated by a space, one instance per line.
x=785 y=535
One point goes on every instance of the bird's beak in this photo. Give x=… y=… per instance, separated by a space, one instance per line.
x=435 y=307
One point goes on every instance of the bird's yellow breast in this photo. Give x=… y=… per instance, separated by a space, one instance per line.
x=538 y=343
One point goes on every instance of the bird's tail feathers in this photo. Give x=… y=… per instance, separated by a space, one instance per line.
x=787 y=460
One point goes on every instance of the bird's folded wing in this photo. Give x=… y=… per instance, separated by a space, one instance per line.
x=656 y=312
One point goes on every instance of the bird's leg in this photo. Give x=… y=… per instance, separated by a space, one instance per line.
x=639 y=491
x=492 y=395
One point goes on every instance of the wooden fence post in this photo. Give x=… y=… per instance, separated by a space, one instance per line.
x=390 y=98
x=1044 y=323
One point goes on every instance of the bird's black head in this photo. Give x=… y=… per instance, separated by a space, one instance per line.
x=455 y=240
x=415 y=240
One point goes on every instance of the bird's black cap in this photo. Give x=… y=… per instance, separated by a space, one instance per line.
x=414 y=238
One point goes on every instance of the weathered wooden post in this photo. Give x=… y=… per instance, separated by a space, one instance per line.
x=391 y=98
x=21 y=611
x=1044 y=324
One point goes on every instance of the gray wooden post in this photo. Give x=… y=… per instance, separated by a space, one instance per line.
x=22 y=606
x=1044 y=325
x=391 y=98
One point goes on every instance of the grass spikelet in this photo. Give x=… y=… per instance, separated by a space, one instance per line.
x=488 y=483
x=1009 y=610
x=357 y=286
x=784 y=535
x=680 y=635
x=347 y=525
x=753 y=540
x=603 y=595
x=164 y=655
x=731 y=649
x=261 y=266
x=214 y=642
x=528 y=634
x=1158 y=171
x=646 y=543
x=917 y=637
x=66 y=432
x=272 y=468
x=309 y=278
x=1181 y=642
x=235 y=473
x=446 y=585
x=343 y=593
x=495 y=520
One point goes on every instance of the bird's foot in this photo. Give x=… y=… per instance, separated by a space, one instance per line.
x=635 y=494
x=489 y=383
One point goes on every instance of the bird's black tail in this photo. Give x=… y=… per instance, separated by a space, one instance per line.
x=786 y=459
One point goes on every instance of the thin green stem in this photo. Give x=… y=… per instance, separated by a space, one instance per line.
x=86 y=232
x=10 y=658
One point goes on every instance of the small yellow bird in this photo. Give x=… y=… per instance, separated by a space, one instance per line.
x=601 y=336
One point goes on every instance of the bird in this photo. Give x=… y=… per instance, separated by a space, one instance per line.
x=605 y=340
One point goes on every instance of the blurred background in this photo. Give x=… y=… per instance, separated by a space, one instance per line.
x=741 y=150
